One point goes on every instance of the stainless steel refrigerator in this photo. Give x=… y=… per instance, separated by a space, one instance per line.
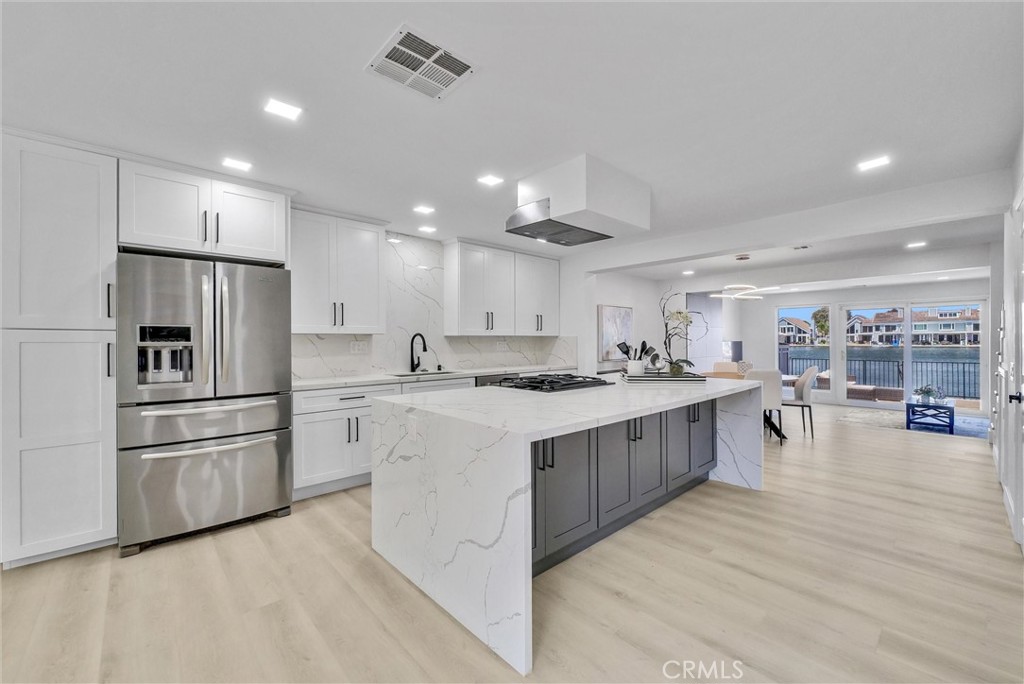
x=204 y=395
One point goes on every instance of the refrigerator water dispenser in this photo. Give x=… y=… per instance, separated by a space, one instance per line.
x=165 y=354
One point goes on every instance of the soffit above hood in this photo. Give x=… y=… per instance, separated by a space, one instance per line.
x=579 y=201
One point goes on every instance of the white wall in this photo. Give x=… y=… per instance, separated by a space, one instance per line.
x=640 y=294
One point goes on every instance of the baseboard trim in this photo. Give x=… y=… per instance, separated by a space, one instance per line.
x=17 y=563
x=329 y=487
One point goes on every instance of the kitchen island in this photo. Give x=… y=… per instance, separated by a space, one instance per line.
x=453 y=501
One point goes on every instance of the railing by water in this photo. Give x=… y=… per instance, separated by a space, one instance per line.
x=956 y=378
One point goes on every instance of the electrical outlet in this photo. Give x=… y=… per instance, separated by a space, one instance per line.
x=503 y=346
x=359 y=347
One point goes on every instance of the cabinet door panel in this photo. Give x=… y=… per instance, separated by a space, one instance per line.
x=537 y=497
x=59 y=236
x=360 y=282
x=537 y=295
x=312 y=266
x=650 y=459
x=702 y=437
x=500 y=281
x=570 y=489
x=616 y=485
x=323 y=450
x=677 y=446
x=248 y=222
x=362 y=444
x=59 y=441
x=162 y=208
x=473 y=312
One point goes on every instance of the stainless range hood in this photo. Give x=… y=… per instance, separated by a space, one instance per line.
x=580 y=201
x=534 y=220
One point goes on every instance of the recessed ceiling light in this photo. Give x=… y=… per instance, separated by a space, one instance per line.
x=423 y=209
x=427 y=229
x=394 y=240
x=914 y=245
x=687 y=272
x=490 y=180
x=873 y=163
x=943 y=278
x=282 y=109
x=235 y=164
x=541 y=240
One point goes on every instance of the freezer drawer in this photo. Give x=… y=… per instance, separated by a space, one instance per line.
x=170 y=490
x=194 y=420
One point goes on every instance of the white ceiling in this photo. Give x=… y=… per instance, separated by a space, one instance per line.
x=938 y=237
x=729 y=111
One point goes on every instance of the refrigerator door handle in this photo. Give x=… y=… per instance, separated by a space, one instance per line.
x=205 y=409
x=225 y=329
x=207 y=313
x=208 y=450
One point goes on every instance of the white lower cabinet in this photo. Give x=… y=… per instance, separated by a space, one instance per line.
x=333 y=438
x=58 y=464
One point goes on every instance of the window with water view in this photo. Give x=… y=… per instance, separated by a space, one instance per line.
x=945 y=350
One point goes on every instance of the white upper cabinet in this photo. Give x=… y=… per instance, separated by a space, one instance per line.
x=479 y=290
x=175 y=211
x=337 y=275
x=537 y=283
x=59 y=236
x=249 y=223
x=163 y=208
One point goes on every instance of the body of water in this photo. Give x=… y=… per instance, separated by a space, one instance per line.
x=956 y=369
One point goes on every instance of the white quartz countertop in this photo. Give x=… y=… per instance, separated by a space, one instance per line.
x=540 y=415
x=384 y=379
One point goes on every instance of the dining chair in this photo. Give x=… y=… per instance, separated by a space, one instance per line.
x=802 y=393
x=771 y=393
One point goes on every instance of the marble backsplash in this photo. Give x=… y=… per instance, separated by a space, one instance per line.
x=414 y=276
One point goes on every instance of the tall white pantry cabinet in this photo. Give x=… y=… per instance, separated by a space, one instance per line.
x=59 y=243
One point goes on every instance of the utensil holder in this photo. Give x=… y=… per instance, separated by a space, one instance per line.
x=634 y=368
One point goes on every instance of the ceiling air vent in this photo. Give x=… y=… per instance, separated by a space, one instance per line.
x=417 y=63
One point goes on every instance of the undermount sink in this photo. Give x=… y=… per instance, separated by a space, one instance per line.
x=409 y=374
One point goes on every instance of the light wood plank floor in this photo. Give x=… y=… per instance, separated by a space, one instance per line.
x=875 y=555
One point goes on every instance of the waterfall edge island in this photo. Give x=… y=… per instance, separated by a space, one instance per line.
x=458 y=476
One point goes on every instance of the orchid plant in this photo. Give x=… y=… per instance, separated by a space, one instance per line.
x=677 y=327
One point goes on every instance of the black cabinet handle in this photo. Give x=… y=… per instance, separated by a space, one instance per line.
x=349 y=430
x=551 y=454
x=216 y=228
x=110 y=288
x=640 y=428
x=343 y=313
x=204 y=225
x=538 y=455
x=357 y=428
x=1016 y=398
x=542 y=322
x=110 y=365
x=334 y=305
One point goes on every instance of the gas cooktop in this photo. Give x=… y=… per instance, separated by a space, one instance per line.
x=553 y=383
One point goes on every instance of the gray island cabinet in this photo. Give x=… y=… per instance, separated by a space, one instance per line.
x=588 y=484
x=475 y=490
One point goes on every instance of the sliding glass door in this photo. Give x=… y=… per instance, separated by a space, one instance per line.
x=946 y=352
x=874 y=355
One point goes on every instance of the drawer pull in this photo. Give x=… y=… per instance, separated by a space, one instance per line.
x=208 y=450
x=361 y=396
x=205 y=409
